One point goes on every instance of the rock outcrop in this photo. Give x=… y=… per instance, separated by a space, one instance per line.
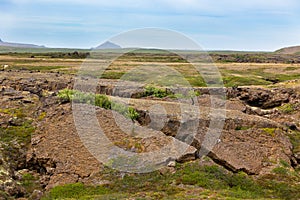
x=254 y=138
x=63 y=157
x=246 y=143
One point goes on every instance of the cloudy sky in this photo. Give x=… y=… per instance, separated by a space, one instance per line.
x=213 y=24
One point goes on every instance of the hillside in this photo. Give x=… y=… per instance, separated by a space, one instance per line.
x=20 y=45
x=289 y=50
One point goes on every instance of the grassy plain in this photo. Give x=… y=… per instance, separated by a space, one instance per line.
x=156 y=67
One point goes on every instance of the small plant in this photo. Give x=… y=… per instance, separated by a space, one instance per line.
x=102 y=101
x=132 y=113
x=156 y=92
x=162 y=93
x=128 y=112
x=284 y=164
x=295 y=140
x=30 y=183
x=65 y=95
x=42 y=116
x=270 y=131
x=280 y=170
x=287 y=108
x=242 y=128
x=177 y=96
x=21 y=133
x=193 y=93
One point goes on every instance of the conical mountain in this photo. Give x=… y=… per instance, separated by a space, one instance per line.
x=108 y=45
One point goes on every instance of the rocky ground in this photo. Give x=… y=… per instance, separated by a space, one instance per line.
x=40 y=147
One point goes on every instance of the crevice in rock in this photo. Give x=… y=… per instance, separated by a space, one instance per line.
x=227 y=166
x=41 y=165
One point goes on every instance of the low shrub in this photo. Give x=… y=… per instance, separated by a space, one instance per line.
x=150 y=90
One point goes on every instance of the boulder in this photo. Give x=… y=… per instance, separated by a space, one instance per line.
x=63 y=155
x=248 y=143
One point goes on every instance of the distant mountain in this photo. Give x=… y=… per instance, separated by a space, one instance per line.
x=20 y=45
x=108 y=45
x=289 y=50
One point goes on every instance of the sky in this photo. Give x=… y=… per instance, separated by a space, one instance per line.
x=263 y=25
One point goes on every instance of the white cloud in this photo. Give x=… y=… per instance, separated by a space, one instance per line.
x=115 y=3
x=102 y=18
x=196 y=4
x=224 y=6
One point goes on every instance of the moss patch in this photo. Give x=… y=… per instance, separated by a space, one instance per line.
x=287 y=108
x=270 y=131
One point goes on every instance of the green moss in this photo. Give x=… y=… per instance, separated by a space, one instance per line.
x=196 y=81
x=42 y=116
x=295 y=140
x=150 y=90
x=231 y=81
x=284 y=164
x=189 y=181
x=21 y=134
x=287 y=108
x=281 y=189
x=14 y=112
x=4 y=195
x=254 y=77
x=217 y=178
x=30 y=183
x=14 y=140
x=75 y=191
x=280 y=170
x=269 y=131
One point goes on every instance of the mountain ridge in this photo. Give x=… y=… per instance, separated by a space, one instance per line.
x=109 y=45
x=22 y=45
x=289 y=50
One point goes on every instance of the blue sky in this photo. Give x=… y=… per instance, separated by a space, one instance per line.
x=213 y=24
